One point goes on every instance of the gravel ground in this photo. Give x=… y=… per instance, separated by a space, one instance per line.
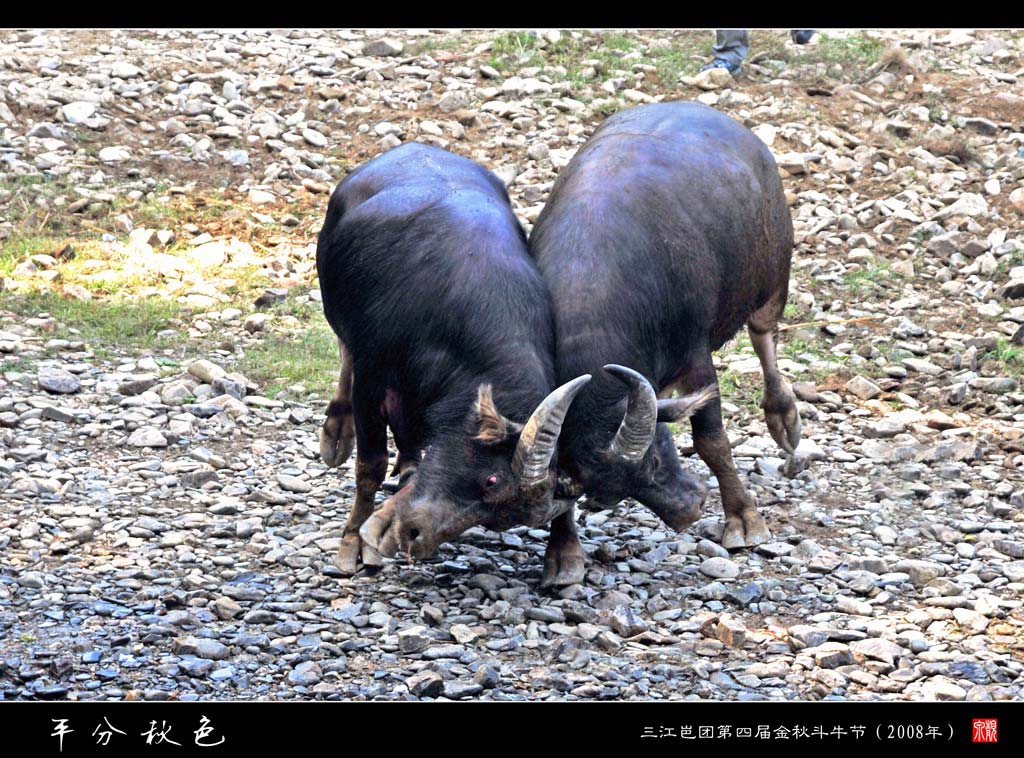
x=166 y=524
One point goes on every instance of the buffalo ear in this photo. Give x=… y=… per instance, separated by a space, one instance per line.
x=678 y=408
x=491 y=427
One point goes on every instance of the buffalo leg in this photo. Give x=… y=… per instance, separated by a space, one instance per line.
x=404 y=470
x=371 y=467
x=405 y=466
x=780 y=413
x=337 y=435
x=378 y=530
x=564 y=562
x=744 y=526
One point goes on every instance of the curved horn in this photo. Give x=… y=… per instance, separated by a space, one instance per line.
x=536 y=445
x=636 y=432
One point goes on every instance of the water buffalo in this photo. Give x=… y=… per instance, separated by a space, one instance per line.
x=666 y=233
x=445 y=331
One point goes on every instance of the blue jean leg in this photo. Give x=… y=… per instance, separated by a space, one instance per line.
x=731 y=45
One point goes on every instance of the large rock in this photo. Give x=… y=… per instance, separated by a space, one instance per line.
x=147 y=436
x=115 y=154
x=720 y=568
x=863 y=388
x=969 y=204
x=206 y=371
x=78 y=112
x=711 y=79
x=384 y=48
x=58 y=381
x=1017 y=199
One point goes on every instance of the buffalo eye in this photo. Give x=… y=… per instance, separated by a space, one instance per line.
x=492 y=481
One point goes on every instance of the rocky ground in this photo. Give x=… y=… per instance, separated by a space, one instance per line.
x=167 y=527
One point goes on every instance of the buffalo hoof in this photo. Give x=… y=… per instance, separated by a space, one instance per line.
x=563 y=566
x=380 y=530
x=745 y=530
x=378 y=533
x=784 y=426
x=337 y=439
x=349 y=551
x=353 y=551
x=396 y=483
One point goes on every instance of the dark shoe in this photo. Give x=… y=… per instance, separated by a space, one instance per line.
x=802 y=36
x=732 y=68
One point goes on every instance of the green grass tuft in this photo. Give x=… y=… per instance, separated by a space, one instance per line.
x=132 y=323
x=308 y=356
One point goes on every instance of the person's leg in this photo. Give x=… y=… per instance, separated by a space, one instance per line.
x=730 y=48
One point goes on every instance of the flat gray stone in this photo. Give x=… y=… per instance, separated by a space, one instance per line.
x=720 y=568
x=58 y=381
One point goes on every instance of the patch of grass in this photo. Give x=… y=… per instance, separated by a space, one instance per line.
x=27 y=638
x=611 y=106
x=855 y=52
x=1010 y=260
x=17 y=248
x=727 y=383
x=960 y=149
x=161 y=211
x=793 y=347
x=921 y=236
x=100 y=267
x=308 y=357
x=740 y=389
x=866 y=278
x=1009 y=355
x=764 y=43
x=17 y=363
x=623 y=43
x=103 y=322
x=684 y=57
x=515 y=50
x=247 y=285
x=26 y=202
x=428 y=45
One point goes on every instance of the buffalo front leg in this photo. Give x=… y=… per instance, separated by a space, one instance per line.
x=371 y=467
x=380 y=531
x=369 y=475
x=564 y=562
x=744 y=526
x=779 y=404
x=337 y=435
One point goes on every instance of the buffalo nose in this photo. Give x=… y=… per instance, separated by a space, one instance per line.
x=693 y=504
x=412 y=541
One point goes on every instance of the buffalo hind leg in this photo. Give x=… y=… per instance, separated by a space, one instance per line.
x=404 y=469
x=371 y=467
x=744 y=526
x=564 y=562
x=405 y=466
x=337 y=435
x=779 y=404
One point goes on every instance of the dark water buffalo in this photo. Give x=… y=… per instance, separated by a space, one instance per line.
x=665 y=234
x=445 y=331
